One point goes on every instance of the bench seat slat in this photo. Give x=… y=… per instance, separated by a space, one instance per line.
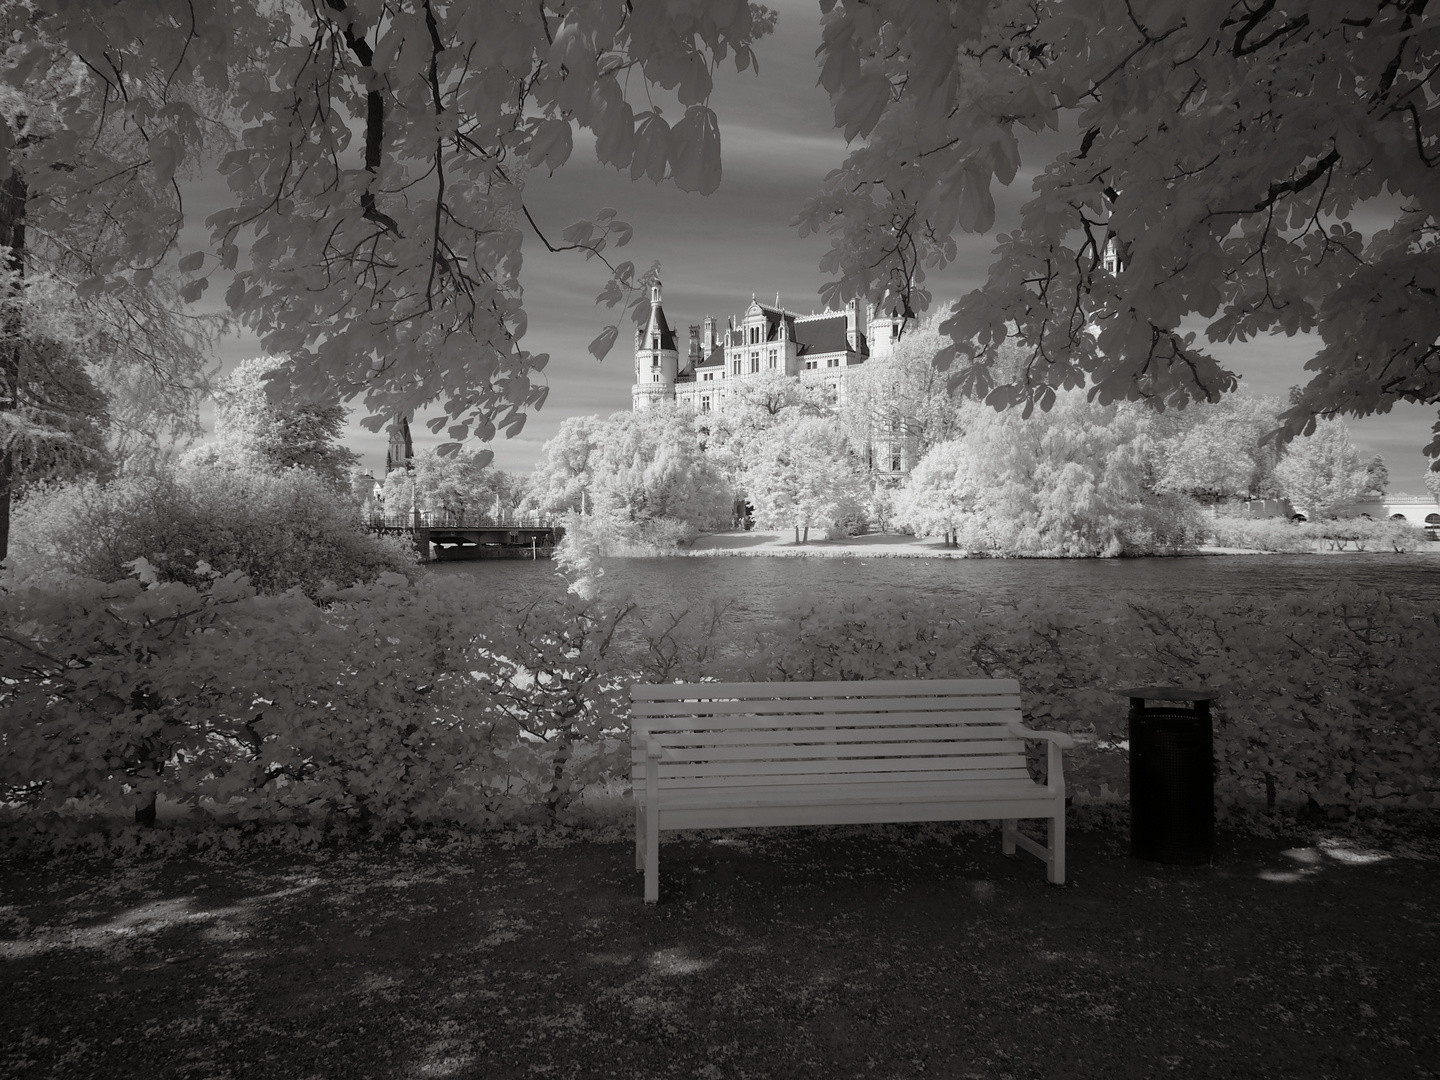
x=854 y=813
x=960 y=721
x=673 y=691
x=680 y=783
x=806 y=707
x=767 y=734
x=832 y=766
x=835 y=751
x=934 y=791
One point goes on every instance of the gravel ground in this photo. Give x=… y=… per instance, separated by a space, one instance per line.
x=886 y=952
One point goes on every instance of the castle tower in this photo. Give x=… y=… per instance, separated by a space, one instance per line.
x=657 y=358
x=401 y=450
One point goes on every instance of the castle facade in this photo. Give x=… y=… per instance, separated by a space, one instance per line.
x=821 y=349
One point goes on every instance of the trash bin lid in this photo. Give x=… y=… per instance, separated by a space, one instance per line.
x=1169 y=693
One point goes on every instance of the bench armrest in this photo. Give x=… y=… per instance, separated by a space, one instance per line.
x=653 y=749
x=1061 y=739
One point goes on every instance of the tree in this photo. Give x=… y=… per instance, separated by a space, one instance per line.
x=389 y=269
x=563 y=475
x=281 y=529
x=1219 y=149
x=938 y=496
x=903 y=395
x=1322 y=472
x=1377 y=477
x=636 y=469
x=1211 y=452
x=802 y=474
x=458 y=489
x=252 y=432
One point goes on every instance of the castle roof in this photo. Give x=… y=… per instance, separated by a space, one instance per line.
x=657 y=323
x=821 y=334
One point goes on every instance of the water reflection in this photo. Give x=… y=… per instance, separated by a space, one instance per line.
x=756 y=587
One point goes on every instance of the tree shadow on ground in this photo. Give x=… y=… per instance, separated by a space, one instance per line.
x=848 y=951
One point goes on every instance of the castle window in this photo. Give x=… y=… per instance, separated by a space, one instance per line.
x=705 y=403
x=657 y=377
x=772 y=359
x=894 y=460
x=655 y=361
x=811 y=365
x=754 y=362
x=655 y=341
x=832 y=393
x=735 y=367
x=834 y=361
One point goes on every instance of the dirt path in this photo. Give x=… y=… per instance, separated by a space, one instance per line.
x=888 y=952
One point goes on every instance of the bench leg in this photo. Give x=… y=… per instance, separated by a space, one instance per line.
x=1007 y=836
x=652 y=852
x=639 y=837
x=1055 y=870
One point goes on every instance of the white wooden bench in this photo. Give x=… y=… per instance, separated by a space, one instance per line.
x=731 y=755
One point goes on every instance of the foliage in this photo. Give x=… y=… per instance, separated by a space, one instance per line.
x=901 y=398
x=1432 y=483
x=282 y=530
x=253 y=433
x=1321 y=472
x=60 y=421
x=1277 y=534
x=1223 y=145
x=634 y=468
x=387 y=264
x=1377 y=477
x=1323 y=696
x=803 y=474
x=393 y=705
x=1216 y=451
x=1068 y=482
x=386 y=704
x=938 y=496
x=460 y=487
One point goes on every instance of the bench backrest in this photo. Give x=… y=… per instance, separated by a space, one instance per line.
x=752 y=734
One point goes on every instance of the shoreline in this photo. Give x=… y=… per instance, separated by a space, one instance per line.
x=738 y=543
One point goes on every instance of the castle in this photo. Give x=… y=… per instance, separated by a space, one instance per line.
x=818 y=349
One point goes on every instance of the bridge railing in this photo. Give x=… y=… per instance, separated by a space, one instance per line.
x=442 y=520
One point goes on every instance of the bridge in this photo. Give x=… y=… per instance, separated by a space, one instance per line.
x=453 y=537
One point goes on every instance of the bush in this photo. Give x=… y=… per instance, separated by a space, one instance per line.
x=1327 y=697
x=281 y=530
x=382 y=704
x=390 y=706
x=1277 y=534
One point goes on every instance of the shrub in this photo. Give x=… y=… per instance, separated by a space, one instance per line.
x=1326 y=697
x=384 y=704
x=281 y=530
x=1276 y=534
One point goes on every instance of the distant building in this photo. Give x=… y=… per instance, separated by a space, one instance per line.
x=820 y=349
x=402 y=450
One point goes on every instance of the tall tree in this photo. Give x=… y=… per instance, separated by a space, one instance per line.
x=251 y=431
x=1322 y=472
x=387 y=270
x=902 y=396
x=1220 y=148
x=1211 y=452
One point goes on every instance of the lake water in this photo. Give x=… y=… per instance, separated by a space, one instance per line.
x=756 y=586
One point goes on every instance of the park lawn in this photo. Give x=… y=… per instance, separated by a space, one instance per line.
x=887 y=952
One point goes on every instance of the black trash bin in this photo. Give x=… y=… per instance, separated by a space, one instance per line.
x=1172 y=774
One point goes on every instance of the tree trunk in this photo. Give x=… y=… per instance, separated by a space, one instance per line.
x=12 y=235
x=797 y=534
x=807 y=534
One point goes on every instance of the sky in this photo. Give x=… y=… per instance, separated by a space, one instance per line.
x=716 y=251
